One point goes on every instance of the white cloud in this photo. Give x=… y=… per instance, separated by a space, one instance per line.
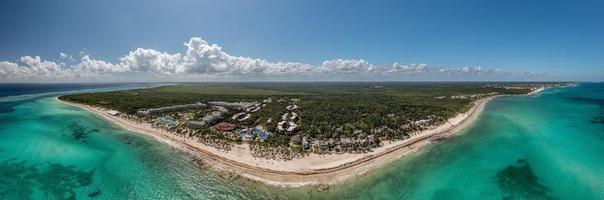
x=89 y=67
x=203 y=60
x=66 y=57
x=408 y=69
x=8 y=69
x=149 y=60
x=349 y=67
x=33 y=67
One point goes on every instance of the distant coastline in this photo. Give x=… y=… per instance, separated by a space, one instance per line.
x=313 y=169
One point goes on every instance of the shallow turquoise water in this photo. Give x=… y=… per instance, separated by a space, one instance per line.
x=546 y=147
x=52 y=151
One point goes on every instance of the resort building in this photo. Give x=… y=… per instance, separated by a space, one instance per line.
x=246 y=135
x=240 y=105
x=293 y=116
x=292 y=107
x=113 y=113
x=223 y=126
x=287 y=126
x=280 y=125
x=242 y=116
x=291 y=127
x=196 y=124
x=212 y=117
x=262 y=134
x=157 y=111
x=253 y=109
x=208 y=119
x=166 y=121
x=251 y=134
x=220 y=108
x=284 y=116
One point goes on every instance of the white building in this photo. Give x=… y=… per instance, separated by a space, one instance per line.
x=113 y=112
x=292 y=107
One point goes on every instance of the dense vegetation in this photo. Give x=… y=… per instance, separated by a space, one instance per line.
x=340 y=94
x=327 y=110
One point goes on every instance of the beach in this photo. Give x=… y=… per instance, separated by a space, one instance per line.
x=63 y=150
x=313 y=169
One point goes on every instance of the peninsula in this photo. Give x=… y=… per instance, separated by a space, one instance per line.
x=296 y=134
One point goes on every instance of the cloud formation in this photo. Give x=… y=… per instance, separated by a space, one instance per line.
x=202 y=60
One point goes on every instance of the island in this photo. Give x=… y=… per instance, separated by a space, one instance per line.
x=296 y=134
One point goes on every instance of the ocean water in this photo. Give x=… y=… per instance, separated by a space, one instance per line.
x=19 y=89
x=549 y=146
x=52 y=151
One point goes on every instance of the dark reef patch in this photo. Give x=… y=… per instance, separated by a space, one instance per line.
x=61 y=181
x=15 y=181
x=598 y=119
x=9 y=106
x=94 y=193
x=80 y=133
x=518 y=181
x=18 y=180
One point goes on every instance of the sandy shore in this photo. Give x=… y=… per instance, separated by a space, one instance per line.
x=534 y=92
x=313 y=169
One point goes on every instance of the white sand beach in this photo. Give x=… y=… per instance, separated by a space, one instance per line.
x=313 y=169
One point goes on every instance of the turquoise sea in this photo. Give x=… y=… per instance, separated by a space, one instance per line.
x=549 y=146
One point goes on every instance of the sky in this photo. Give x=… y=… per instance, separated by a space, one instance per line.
x=146 y=40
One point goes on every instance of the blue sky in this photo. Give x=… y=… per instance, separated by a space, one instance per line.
x=556 y=40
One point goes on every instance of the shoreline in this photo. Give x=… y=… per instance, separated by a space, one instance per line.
x=313 y=169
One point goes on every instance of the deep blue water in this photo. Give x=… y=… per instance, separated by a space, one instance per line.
x=15 y=89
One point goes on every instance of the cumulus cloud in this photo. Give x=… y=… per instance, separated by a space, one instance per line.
x=348 y=67
x=66 y=57
x=407 y=69
x=89 y=67
x=203 y=59
x=8 y=69
x=32 y=67
x=149 y=60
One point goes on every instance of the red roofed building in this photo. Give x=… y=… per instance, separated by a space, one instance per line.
x=223 y=126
